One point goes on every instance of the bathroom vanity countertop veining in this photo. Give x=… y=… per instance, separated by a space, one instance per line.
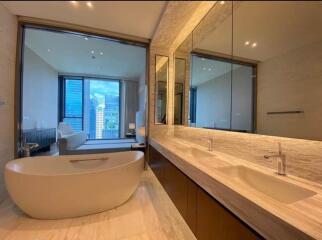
x=274 y=219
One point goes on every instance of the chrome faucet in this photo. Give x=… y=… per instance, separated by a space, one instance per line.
x=281 y=160
x=210 y=144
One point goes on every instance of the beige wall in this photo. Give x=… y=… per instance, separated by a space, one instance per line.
x=288 y=82
x=8 y=38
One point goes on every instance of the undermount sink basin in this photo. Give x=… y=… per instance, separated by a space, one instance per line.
x=271 y=186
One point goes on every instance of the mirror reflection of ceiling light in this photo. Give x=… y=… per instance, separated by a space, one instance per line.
x=101 y=53
x=48 y=50
x=209 y=69
x=86 y=38
x=203 y=68
x=203 y=59
x=222 y=2
x=89 y=4
x=248 y=43
x=92 y=52
x=254 y=44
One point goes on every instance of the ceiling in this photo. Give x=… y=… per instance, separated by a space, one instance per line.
x=205 y=69
x=71 y=53
x=276 y=27
x=137 y=18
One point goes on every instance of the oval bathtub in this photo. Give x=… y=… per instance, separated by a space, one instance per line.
x=75 y=185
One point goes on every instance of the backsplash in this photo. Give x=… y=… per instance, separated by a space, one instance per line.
x=303 y=157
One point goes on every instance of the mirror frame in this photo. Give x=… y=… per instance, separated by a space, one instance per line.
x=183 y=108
x=155 y=90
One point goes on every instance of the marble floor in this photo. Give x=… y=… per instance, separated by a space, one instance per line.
x=149 y=214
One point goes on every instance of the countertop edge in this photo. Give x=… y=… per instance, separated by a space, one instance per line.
x=258 y=218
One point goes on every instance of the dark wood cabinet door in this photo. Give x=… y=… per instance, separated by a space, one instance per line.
x=176 y=185
x=215 y=222
x=156 y=162
x=191 y=217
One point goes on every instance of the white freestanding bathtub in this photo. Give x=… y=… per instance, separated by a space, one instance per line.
x=74 y=185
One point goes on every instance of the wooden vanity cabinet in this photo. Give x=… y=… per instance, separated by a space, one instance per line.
x=216 y=222
x=205 y=216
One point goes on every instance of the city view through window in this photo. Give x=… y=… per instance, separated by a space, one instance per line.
x=93 y=105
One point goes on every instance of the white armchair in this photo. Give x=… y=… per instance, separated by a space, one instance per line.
x=68 y=139
x=64 y=130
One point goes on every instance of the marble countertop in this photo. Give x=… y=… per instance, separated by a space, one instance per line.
x=273 y=219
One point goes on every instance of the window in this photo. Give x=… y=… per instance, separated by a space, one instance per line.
x=92 y=105
x=73 y=114
x=102 y=116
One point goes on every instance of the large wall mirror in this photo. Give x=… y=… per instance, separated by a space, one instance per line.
x=161 y=88
x=251 y=72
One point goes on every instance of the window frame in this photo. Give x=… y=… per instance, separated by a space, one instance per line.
x=62 y=97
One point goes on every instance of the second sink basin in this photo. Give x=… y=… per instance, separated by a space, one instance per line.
x=271 y=186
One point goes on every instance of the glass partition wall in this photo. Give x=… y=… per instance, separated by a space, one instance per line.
x=91 y=83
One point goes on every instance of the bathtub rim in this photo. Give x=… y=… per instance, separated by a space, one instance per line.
x=8 y=169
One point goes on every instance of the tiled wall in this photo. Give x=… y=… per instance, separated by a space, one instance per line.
x=304 y=157
x=8 y=38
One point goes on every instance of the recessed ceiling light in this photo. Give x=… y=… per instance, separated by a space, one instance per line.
x=48 y=50
x=203 y=59
x=222 y=2
x=101 y=53
x=75 y=3
x=203 y=68
x=89 y=4
x=92 y=52
x=209 y=69
x=247 y=43
x=86 y=38
x=254 y=44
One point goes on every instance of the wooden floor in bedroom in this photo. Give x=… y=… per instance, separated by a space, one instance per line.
x=149 y=214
